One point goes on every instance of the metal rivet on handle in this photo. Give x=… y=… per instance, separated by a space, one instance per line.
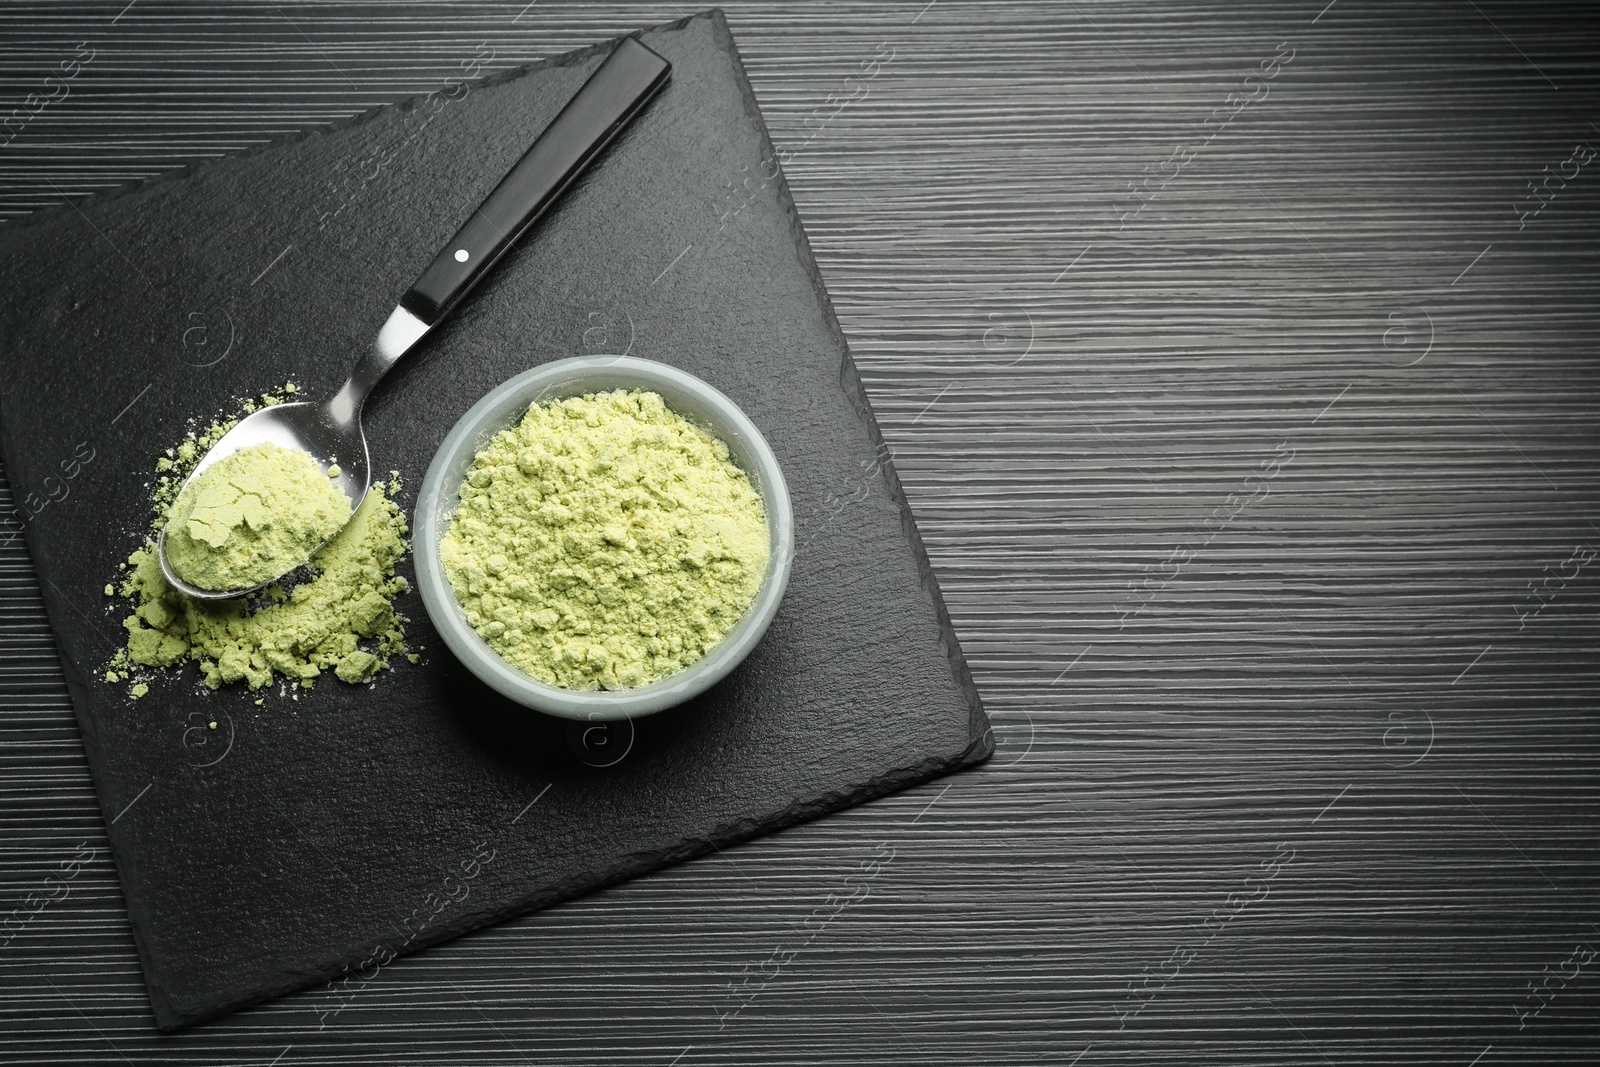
x=461 y=255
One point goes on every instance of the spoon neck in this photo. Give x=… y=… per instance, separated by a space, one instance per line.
x=402 y=331
x=345 y=407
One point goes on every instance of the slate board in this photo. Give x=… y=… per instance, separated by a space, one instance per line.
x=288 y=846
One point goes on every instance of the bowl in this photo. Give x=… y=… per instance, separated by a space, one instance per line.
x=504 y=406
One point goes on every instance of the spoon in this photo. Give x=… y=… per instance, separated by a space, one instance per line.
x=331 y=431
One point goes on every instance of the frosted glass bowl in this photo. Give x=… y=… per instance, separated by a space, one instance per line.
x=505 y=405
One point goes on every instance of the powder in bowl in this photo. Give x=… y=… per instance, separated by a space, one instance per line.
x=252 y=516
x=605 y=541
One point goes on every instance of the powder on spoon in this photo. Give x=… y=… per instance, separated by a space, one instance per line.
x=605 y=541
x=252 y=516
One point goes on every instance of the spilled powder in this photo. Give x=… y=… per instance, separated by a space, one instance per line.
x=605 y=542
x=340 y=618
x=252 y=516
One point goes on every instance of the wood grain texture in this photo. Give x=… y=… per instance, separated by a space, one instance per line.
x=1321 y=783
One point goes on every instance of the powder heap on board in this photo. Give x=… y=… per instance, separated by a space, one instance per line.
x=322 y=624
x=341 y=618
x=252 y=516
x=605 y=541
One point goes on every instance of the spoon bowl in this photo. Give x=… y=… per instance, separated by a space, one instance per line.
x=329 y=432
x=313 y=428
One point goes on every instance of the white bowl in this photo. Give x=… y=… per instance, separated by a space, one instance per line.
x=504 y=406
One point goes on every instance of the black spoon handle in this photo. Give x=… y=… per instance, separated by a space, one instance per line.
x=612 y=96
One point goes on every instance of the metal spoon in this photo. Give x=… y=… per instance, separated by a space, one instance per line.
x=331 y=431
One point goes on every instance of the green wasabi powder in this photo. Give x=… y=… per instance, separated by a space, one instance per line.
x=605 y=542
x=252 y=516
x=340 y=619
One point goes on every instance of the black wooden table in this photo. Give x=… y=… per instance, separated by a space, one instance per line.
x=1240 y=363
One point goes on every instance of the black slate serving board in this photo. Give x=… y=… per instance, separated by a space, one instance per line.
x=294 y=842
